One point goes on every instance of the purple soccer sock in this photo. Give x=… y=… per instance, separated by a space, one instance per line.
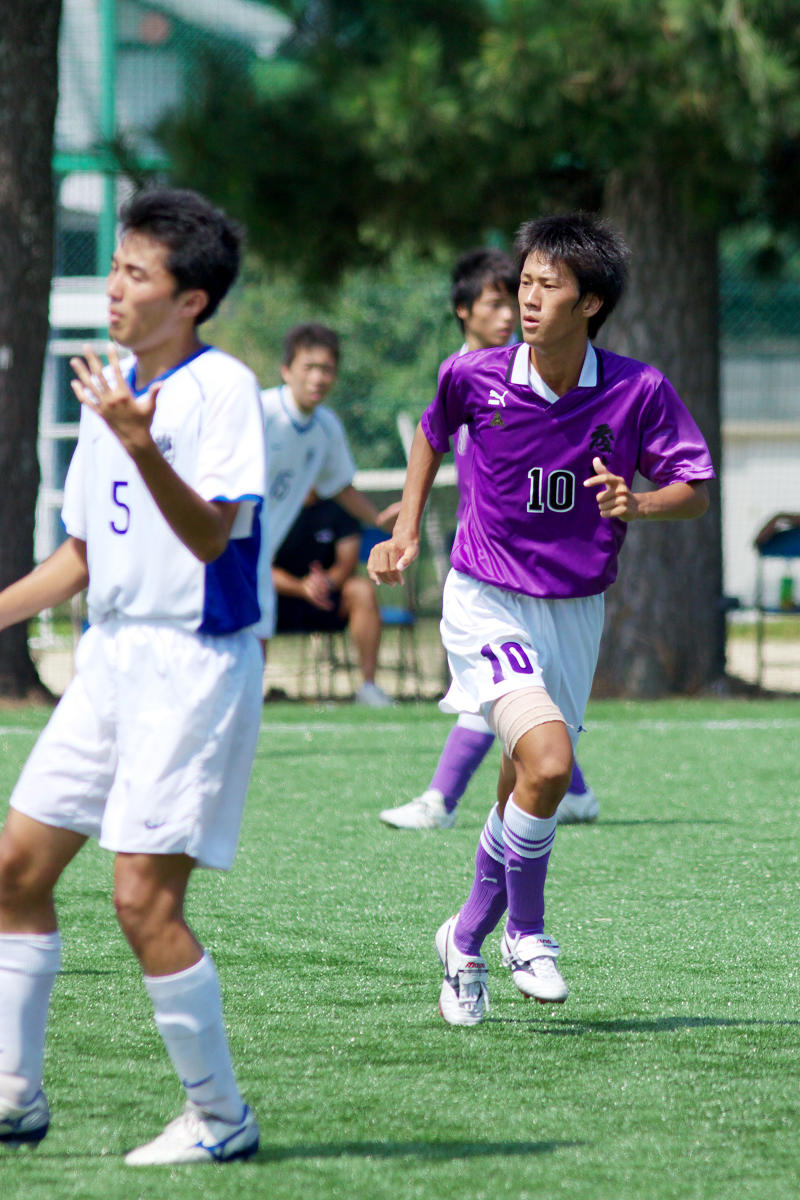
x=486 y=902
x=577 y=784
x=462 y=754
x=528 y=842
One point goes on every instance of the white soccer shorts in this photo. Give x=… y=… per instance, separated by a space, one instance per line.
x=151 y=746
x=499 y=641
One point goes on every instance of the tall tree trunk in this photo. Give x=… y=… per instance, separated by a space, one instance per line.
x=28 y=95
x=665 y=624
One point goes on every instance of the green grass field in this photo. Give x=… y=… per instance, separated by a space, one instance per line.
x=671 y=1071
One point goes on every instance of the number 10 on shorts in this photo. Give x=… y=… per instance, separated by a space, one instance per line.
x=507 y=657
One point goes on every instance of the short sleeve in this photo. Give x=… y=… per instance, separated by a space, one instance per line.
x=445 y=414
x=673 y=450
x=337 y=468
x=73 y=509
x=231 y=457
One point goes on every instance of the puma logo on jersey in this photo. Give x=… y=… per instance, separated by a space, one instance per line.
x=497 y=420
x=496 y=398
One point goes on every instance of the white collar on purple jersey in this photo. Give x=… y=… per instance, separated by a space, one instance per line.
x=525 y=374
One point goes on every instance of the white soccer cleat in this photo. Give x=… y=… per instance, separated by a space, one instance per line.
x=25 y=1123
x=423 y=812
x=577 y=807
x=533 y=966
x=196 y=1137
x=373 y=696
x=464 y=998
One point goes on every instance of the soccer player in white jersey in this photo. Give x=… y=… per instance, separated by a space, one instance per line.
x=307 y=451
x=150 y=748
x=559 y=430
x=483 y=294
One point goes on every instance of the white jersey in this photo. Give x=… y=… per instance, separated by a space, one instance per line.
x=303 y=452
x=208 y=426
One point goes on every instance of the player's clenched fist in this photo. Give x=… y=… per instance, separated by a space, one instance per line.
x=388 y=560
x=615 y=499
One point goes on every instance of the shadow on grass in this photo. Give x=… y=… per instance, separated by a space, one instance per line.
x=428 y=1151
x=633 y=821
x=656 y=1025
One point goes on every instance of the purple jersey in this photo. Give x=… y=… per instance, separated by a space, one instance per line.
x=529 y=524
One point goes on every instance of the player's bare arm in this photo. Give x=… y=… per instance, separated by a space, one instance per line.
x=58 y=578
x=204 y=526
x=361 y=507
x=389 y=559
x=674 y=502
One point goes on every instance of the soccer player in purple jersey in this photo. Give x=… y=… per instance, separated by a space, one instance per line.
x=559 y=430
x=484 y=299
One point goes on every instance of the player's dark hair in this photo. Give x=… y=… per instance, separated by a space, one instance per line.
x=307 y=337
x=593 y=250
x=204 y=244
x=477 y=269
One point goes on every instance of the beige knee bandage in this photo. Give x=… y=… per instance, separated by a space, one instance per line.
x=517 y=712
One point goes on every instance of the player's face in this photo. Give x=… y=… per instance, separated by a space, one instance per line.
x=492 y=319
x=553 y=314
x=146 y=311
x=310 y=375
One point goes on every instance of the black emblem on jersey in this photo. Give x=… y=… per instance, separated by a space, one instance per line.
x=165 y=445
x=497 y=420
x=601 y=439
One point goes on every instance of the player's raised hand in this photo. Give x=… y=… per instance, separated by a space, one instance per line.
x=388 y=559
x=615 y=499
x=129 y=417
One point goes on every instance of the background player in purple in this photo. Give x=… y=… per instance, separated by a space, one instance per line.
x=559 y=431
x=484 y=298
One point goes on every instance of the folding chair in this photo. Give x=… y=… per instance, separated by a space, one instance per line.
x=779 y=538
x=401 y=617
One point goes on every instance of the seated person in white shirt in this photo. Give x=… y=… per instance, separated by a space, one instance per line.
x=307 y=449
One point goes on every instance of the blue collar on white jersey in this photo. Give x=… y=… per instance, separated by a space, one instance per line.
x=131 y=380
x=301 y=421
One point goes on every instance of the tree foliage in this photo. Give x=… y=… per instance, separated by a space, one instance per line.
x=438 y=124
x=434 y=123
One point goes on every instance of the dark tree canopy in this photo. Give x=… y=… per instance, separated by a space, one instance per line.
x=444 y=124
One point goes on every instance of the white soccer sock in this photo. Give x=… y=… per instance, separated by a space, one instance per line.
x=188 y=1013
x=29 y=963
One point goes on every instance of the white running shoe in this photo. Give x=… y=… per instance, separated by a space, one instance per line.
x=423 y=812
x=464 y=998
x=533 y=966
x=577 y=807
x=373 y=696
x=196 y=1137
x=24 y=1123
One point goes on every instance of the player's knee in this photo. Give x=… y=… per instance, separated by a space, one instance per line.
x=135 y=904
x=359 y=594
x=21 y=880
x=534 y=736
x=547 y=772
